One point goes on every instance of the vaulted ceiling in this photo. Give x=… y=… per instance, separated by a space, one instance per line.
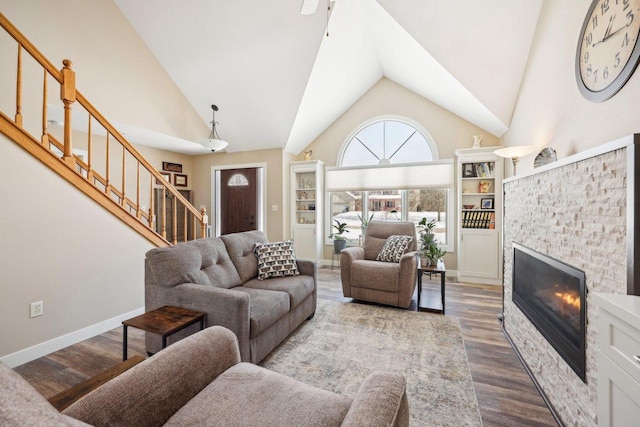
x=279 y=81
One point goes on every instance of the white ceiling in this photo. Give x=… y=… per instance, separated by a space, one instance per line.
x=280 y=82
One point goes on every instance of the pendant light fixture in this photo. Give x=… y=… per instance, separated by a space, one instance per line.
x=214 y=143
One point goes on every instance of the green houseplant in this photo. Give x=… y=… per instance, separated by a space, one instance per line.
x=364 y=223
x=430 y=253
x=339 y=241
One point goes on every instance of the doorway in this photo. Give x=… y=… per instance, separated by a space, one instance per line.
x=238 y=198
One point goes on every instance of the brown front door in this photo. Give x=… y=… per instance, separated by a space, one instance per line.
x=238 y=200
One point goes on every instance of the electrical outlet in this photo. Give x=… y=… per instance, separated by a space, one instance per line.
x=37 y=308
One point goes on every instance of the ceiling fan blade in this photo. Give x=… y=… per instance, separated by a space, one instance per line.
x=309 y=7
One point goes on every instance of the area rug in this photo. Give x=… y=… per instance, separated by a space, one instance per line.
x=345 y=341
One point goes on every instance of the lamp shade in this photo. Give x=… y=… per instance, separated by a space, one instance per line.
x=213 y=144
x=515 y=151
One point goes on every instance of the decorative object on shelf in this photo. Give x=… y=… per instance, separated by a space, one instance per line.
x=607 y=52
x=214 y=143
x=468 y=206
x=339 y=241
x=312 y=207
x=477 y=141
x=179 y=180
x=514 y=153
x=307 y=154
x=545 y=156
x=171 y=167
x=307 y=183
x=484 y=186
x=303 y=195
x=301 y=220
x=486 y=203
x=468 y=171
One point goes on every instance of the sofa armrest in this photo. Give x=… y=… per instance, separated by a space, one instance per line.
x=223 y=307
x=381 y=401
x=308 y=267
x=151 y=392
x=347 y=257
x=407 y=278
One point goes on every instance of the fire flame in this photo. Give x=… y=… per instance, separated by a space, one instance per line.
x=569 y=298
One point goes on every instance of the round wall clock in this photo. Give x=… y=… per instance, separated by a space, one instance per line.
x=608 y=48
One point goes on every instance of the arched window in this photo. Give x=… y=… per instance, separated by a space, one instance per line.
x=387 y=141
x=238 y=180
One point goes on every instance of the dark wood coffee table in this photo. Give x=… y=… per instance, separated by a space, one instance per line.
x=163 y=321
x=431 y=269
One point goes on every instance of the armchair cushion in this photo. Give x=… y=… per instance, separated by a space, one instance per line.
x=276 y=259
x=394 y=248
x=249 y=395
x=382 y=276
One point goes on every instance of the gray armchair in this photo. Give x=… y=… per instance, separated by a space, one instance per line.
x=390 y=283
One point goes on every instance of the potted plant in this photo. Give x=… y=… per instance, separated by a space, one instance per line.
x=364 y=223
x=426 y=231
x=339 y=241
x=433 y=253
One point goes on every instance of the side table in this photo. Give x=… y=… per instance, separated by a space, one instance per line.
x=431 y=269
x=163 y=321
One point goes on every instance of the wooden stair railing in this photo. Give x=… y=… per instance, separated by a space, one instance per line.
x=114 y=173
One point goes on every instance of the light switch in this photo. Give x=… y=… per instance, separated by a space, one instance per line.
x=274 y=208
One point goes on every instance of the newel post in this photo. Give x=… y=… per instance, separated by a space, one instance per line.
x=68 y=97
x=205 y=222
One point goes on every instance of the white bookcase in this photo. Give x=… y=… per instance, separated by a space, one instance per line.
x=307 y=190
x=479 y=215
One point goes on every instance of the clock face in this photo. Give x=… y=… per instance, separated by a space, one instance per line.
x=608 y=51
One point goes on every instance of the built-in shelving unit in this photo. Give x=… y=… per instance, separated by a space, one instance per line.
x=306 y=208
x=479 y=207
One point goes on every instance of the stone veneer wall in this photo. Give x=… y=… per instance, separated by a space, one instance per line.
x=575 y=213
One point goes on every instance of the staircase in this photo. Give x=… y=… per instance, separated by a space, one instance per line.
x=91 y=154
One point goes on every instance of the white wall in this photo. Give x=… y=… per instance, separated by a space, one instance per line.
x=550 y=109
x=60 y=247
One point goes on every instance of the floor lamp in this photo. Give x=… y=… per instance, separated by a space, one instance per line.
x=515 y=152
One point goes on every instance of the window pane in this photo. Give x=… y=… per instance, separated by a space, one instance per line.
x=430 y=204
x=384 y=142
x=385 y=205
x=345 y=207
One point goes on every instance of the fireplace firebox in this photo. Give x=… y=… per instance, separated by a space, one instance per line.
x=552 y=295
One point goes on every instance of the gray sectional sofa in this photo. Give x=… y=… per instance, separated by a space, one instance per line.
x=218 y=276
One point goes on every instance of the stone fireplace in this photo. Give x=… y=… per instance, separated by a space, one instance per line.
x=577 y=211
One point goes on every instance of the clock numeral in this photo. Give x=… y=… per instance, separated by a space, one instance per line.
x=605 y=73
x=589 y=39
x=586 y=57
x=616 y=63
x=626 y=5
x=594 y=21
x=589 y=70
x=595 y=76
x=625 y=41
x=629 y=17
x=604 y=7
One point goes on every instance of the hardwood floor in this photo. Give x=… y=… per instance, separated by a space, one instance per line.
x=506 y=394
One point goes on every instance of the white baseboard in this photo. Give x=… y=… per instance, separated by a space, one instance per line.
x=31 y=353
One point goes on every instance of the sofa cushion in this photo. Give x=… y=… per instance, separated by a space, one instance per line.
x=202 y=261
x=275 y=400
x=22 y=405
x=298 y=288
x=276 y=259
x=394 y=248
x=378 y=275
x=240 y=249
x=265 y=308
